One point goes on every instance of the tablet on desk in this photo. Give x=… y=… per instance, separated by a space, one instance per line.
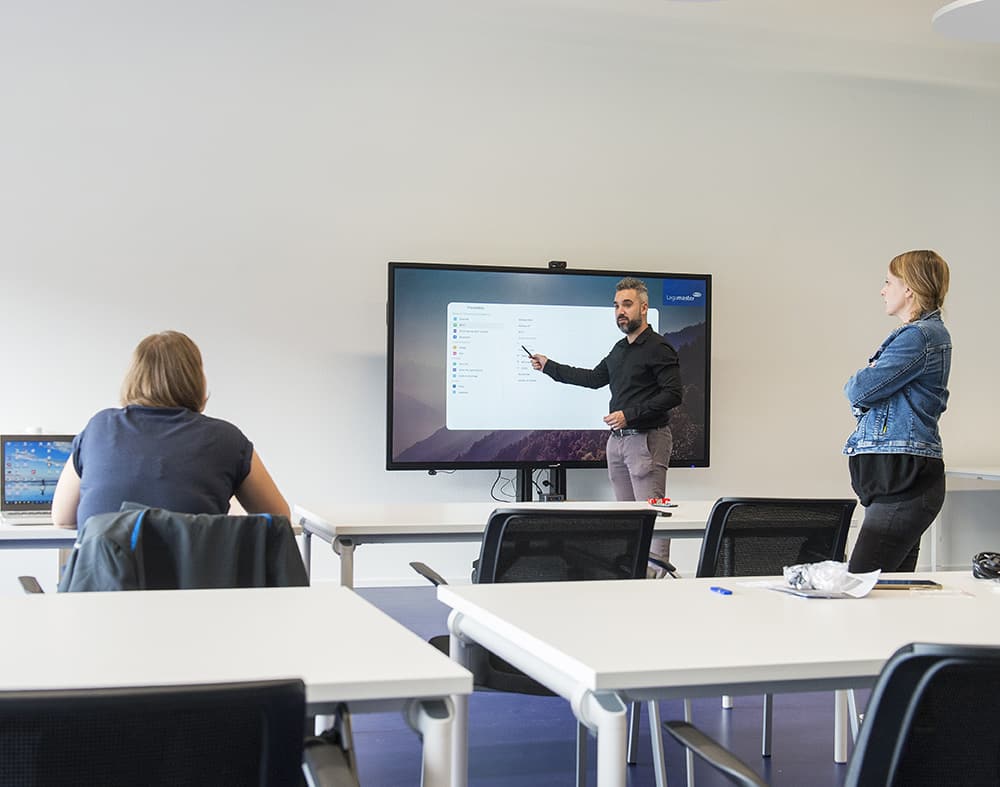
x=907 y=584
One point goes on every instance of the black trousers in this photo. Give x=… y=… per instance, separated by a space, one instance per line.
x=890 y=535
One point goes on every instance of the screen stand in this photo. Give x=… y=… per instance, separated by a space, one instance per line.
x=523 y=484
x=556 y=485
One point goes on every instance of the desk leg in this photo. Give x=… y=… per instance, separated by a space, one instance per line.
x=344 y=547
x=604 y=712
x=656 y=736
x=852 y=710
x=433 y=719
x=840 y=726
x=582 y=733
x=688 y=754
x=935 y=539
x=459 y=652
x=62 y=558
x=609 y=714
x=307 y=551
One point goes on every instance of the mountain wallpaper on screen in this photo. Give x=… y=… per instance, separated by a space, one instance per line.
x=426 y=440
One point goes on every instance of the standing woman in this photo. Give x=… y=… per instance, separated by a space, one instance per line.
x=159 y=449
x=895 y=454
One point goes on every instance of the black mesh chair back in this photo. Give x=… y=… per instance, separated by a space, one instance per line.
x=533 y=545
x=930 y=720
x=748 y=536
x=553 y=546
x=218 y=734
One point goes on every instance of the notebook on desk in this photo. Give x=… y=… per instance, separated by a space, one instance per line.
x=29 y=469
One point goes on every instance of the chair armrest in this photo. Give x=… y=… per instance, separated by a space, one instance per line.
x=713 y=753
x=30 y=585
x=428 y=573
x=664 y=565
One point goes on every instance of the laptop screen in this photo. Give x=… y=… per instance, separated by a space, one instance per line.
x=31 y=468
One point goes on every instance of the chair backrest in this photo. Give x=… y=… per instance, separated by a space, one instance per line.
x=154 y=549
x=535 y=545
x=757 y=536
x=219 y=734
x=930 y=720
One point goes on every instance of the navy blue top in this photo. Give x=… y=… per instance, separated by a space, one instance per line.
x=162 y=457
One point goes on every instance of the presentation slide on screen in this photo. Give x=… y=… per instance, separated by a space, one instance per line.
x=490 y=382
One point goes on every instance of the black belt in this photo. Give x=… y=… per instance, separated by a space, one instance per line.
x=626 y=432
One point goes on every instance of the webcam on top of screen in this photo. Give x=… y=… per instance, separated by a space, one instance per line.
x=557 y=265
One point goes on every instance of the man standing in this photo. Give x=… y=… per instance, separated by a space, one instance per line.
x=644 y=375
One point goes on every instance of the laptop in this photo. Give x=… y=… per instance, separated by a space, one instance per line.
x=30 y=465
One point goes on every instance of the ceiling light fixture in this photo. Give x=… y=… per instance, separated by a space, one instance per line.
x=974 y=20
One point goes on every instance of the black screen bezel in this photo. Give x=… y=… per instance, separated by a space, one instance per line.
x=391 y=464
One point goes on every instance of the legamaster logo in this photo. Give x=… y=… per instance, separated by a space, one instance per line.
x=692 y=297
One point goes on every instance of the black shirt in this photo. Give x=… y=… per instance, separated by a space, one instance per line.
x=887 y=478
x=644 y=376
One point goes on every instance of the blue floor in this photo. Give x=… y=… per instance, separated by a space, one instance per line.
x=521 y=741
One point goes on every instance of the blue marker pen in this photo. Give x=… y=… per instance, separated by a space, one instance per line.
x=721 y=591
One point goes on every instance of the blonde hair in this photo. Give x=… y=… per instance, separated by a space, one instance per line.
x=166 y=371
x=926 y=274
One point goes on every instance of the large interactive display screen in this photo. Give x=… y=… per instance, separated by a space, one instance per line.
x=461 y=390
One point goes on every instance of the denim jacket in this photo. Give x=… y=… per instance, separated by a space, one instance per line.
x=900 y=395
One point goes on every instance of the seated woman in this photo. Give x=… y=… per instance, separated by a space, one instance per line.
x=159 y=449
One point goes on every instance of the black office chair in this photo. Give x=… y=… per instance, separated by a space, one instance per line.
x=552 y=546
x=220 y=734
x=929 y=722
x=758 y=536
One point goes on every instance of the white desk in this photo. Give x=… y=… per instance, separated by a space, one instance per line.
x=35 y=537
x=980 y=473
x=938 y=525
x=47 y=536
x=580 y=639
x=342 y=647
x=349 y=525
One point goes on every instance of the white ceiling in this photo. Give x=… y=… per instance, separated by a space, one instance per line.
x=877 y=38
x=876 y=20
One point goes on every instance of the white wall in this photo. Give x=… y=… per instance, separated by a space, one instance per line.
x=244 y=171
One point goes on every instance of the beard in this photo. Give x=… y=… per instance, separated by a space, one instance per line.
x=629 y=326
